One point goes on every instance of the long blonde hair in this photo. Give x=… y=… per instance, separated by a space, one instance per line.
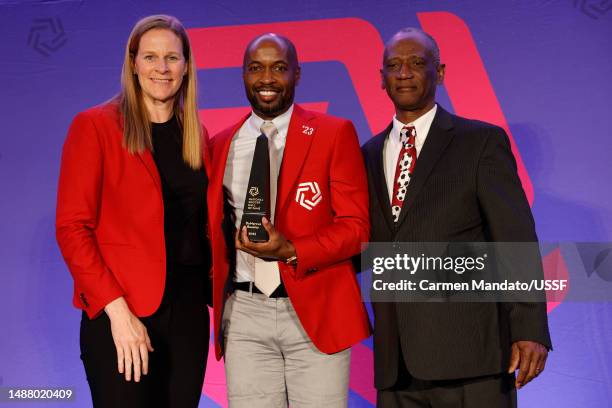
x=136 y=122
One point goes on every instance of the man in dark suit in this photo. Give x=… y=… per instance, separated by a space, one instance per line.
x=436 y=177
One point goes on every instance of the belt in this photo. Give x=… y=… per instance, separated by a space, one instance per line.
x=279 y=292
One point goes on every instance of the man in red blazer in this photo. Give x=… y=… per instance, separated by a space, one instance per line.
x=293 y=343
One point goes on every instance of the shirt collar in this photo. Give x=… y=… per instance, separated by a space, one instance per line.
x=421 y=124
x=281 y=121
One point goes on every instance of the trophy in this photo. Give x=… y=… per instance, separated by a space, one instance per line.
x=257 y=200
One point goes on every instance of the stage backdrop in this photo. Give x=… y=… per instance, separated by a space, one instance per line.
x=541 y=69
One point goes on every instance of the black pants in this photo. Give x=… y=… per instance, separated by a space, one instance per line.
x=179 y=332
x=485 y=392
x=491 y=391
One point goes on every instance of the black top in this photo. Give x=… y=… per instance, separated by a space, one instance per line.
x=184 y=195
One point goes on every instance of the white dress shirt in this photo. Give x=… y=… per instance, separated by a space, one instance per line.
x=238 y=171
x=393 y=145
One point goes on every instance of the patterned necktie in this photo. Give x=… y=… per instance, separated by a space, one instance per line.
x=404 y=169
x=267 y=274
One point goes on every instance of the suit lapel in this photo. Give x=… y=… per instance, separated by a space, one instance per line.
x=220 y=150
x=438 y=138
x=377 y=171
x=297 y=146
x=146 y=157
x=147 y=160
x=221 y=164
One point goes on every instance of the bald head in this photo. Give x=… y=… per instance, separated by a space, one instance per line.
x=270 y=72
x=410 y=73
x=268 y=38
x=413 y=32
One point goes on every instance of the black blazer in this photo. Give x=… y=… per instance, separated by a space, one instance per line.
x=464 y=188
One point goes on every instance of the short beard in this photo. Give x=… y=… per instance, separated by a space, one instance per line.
x=271 y=110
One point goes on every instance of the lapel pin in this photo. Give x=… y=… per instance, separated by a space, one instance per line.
x=307 y=130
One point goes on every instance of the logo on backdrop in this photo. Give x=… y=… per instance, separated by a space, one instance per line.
x=47 y=35
x=593 y=8
x=325 y=40
x=319 y=41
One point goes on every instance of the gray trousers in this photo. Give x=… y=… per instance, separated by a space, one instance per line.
x=269 y=359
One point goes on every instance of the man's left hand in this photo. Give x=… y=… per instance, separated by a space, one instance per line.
x=276 y=247
x=530 y=359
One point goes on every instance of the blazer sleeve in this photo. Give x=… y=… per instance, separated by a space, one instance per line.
x=506 y=209
x=343 y=237
x=78 y=200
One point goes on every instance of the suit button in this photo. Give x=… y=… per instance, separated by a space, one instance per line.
x=83 y=300
x=312 y=270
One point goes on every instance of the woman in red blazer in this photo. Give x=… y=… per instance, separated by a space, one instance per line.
x=131 y=224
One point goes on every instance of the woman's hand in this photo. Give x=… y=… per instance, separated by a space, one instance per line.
x=131 y=339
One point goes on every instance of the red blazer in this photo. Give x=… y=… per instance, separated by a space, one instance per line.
x=327 y=229
x=110 y=216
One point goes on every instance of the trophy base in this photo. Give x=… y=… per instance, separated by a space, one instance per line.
x=255 y=229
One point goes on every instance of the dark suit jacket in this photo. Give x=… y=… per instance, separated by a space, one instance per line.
x=465 y=188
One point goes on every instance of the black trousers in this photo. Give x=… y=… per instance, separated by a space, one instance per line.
x=491 y=391
x=484 y=392
x=179 y=332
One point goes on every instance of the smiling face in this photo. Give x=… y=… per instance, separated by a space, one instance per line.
x=270 y=74
x=160 y=66
x=410 y=75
